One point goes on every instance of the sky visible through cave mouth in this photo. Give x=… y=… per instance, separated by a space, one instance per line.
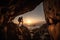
x=34 y=16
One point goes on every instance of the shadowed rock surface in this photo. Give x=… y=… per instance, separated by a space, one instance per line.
x=42 y=33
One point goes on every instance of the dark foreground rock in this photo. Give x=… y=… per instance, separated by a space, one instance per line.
x=42 y=33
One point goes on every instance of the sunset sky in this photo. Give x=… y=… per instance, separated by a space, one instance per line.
x=33 y=16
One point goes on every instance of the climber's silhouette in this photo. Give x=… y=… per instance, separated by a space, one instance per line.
x=20 y=20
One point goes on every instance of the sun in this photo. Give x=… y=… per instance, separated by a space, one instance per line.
x=28 y=22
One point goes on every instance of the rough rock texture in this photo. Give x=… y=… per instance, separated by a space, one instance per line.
x=42 y=33
x=17 y=7
x=52 y=15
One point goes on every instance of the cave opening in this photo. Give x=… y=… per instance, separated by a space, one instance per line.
x=35 y=17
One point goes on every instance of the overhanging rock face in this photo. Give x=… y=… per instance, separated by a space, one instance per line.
x=52 y=8
x=17 y=7
x=52 y=16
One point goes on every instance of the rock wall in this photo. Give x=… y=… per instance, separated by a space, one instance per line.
x=52 y=15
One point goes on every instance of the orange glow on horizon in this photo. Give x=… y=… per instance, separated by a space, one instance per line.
x=28 y=22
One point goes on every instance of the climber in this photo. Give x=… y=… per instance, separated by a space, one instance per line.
x=20 y=20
